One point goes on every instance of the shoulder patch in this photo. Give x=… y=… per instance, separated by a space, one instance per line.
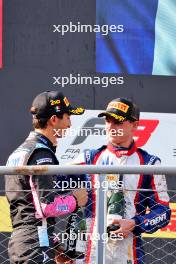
x=44 y=160
x=91 y=153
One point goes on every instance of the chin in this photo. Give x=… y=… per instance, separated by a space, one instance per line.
x=115 y=140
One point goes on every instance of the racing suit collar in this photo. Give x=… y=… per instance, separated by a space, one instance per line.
x=122 y=151
x=45 y=141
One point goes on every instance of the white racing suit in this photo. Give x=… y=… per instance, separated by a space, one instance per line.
x=156 y=200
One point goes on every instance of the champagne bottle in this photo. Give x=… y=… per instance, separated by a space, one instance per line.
x=81 y=239
x=76 y=231
x=115 y=207
x=71 y=231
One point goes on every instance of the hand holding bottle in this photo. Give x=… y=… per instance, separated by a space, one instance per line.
x=82 y=196
x=125 y=226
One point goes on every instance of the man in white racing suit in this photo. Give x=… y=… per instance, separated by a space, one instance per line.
x=142 y=211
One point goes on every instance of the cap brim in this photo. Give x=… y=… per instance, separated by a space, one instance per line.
x=76 y=111
x=115 y=116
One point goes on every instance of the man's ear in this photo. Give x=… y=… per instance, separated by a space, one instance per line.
x=52 y=120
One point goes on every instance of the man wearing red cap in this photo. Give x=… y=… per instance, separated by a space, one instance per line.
x=33 y=206
x=127 y=205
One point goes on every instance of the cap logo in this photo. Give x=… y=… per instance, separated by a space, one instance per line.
x=117 y=117
x=119 y=106
x=57 y=108
x=66 y=101
x=78 y=111
x=55 y=102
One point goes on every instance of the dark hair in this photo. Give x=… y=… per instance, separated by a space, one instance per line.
x=42 y=122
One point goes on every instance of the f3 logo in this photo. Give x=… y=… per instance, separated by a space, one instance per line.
x=145 y=128
x=144 y=134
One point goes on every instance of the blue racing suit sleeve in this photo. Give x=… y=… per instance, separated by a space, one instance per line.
x=158 y=217
x=156 y=200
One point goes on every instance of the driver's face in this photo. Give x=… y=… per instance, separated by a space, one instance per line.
x=61 y=125
x=119 y=132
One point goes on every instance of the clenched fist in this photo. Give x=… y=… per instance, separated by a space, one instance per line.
x=81 y=196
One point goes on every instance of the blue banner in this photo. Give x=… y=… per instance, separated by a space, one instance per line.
x=147 y=43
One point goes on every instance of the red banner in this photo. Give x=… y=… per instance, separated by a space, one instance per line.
x=1 y=33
